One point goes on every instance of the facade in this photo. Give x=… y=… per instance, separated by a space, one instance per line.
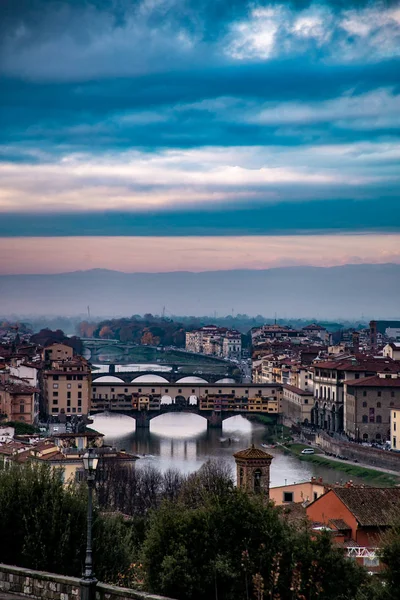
x=57 y=351
x=215 y=341
x=300 y=493
x=329 y=386
x=67 y=387
x=18 y=401
x=392 y=350
x=369 y=402
x=395 y=428
x=154 y=396
x=297 y=404
x=253 y=470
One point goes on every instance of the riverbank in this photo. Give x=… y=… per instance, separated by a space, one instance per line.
x=370 y=476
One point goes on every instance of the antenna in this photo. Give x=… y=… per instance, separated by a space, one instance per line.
x=88 y=312
x=163 y=312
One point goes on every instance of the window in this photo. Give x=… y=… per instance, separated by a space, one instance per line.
x=68 y=394
x=79 y=394
x=166 y=390
x=140 y=389
x=55 y=394
x=79 y=402
x=365 y=418
x=394 y=426
x=22 y=408
x=55 y=386
x=364 y=393
x=79 y=386
x=357 y=376
x=68 y=386
x=55 y=402
x=379 y=394
x=288 y=496
x=153 y=390
x=125 y=390
x=94 y=389
x=378 y=436
x=69 y=377
x=193 y=391
x=68 y=403
x=246 y=391
x=315 y=495
x=179 y=391
x=74 y=409
x=378 y=405
x=257 y=480
x=378 y=419
x=394 y=442
x=219 y=391
x=54 y=410
x=364 y=404
x=306 y=401
x=112 y=389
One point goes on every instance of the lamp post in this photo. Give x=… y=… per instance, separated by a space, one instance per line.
x=89 y=581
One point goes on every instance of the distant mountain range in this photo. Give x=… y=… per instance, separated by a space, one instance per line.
x=348 y=291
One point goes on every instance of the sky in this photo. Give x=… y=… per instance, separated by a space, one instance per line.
x=163 y=135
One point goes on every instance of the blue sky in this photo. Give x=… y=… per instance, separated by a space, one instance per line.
x=169 y=118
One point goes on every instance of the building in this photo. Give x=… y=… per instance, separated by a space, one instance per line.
x=356 y=517
x=153 y=392
x=368 y=406
x=383 y=330
x=253 y=470
x=392 y=350
x=297 y=404
x=18 y=401
x=395 y=428
x=57 y=351
x=304 y=492
x=66 y=387
x=316 y=331
x=329 y=391
x=215 y=341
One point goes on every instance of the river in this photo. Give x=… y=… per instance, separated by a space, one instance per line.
x=182 y=441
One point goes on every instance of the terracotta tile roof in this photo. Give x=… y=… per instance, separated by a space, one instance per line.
x=372 y=507
x=374 y=381
x=296 y=390
x=339 y=524
x=359 y=364
x=252 y=452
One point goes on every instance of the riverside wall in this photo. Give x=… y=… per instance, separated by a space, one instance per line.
x=372 y=457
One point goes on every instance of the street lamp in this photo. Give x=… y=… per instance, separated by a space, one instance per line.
x=89 y=581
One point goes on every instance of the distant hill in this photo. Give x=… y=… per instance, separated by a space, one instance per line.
x=347 y=291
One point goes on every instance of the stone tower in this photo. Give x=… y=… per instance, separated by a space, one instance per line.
x=252 y=467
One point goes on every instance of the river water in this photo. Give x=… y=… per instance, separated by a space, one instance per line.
x=182 y=441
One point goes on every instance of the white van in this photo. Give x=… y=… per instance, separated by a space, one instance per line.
x=307 y=451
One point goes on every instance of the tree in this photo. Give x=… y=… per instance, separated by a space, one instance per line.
x=228 y=545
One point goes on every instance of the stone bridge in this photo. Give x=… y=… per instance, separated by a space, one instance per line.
x=19 y=583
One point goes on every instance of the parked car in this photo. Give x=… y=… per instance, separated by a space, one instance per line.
x=308 y=451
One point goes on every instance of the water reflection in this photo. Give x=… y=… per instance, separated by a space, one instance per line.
x=182 y=441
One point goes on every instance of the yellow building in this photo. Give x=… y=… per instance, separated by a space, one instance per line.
x=302 y=493
x=395 y=429
x=67 y=387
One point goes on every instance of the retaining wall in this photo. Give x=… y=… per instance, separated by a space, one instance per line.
x=40 y=585
x=381 y=459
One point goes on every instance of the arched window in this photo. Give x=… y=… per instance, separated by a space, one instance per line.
x=257 y=480
x=241 y=477
x=378 y=436
x=378 y=419
x=364 y=405
x=329 y=393
x=365 y=436
x=365 y=418
x=378 y=405
x=333 y=395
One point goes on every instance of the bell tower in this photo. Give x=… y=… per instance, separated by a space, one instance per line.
x=252 y=468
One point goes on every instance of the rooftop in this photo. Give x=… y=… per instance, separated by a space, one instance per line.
x=252 y=452
x=372 y=507
x=374 y=381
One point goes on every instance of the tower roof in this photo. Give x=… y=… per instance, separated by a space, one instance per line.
x=253 y=452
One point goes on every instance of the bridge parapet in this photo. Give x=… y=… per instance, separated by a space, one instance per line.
x=40 y=585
